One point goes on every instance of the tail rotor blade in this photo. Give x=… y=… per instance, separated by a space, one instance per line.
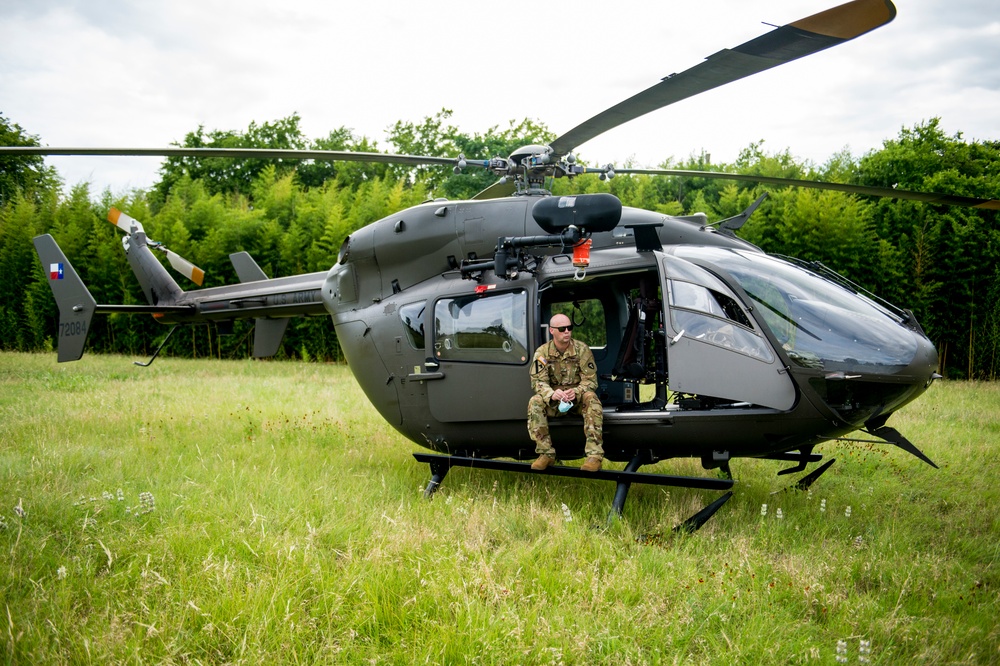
x=123 y=221
x=185 y=268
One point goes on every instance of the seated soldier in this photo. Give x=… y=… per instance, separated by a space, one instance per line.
x=563 y=372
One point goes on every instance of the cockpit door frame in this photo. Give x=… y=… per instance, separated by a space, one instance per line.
x=504 y=387
x=709 y=353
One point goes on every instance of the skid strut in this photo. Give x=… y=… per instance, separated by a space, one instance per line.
x=621 y=491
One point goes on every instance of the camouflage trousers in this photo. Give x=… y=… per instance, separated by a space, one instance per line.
x=539 y=413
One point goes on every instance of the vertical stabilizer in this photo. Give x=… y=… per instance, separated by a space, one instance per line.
x=76 y=305
x=268 y=333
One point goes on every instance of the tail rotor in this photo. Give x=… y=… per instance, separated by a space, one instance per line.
x=132 y=226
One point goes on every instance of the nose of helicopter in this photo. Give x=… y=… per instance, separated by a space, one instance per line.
x=863 y=392
x=913 y=379
x=924 y=366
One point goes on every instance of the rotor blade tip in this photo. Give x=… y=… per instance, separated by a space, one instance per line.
x=113 y=215
x=849 y=20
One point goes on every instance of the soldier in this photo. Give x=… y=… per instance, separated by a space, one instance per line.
x=563 y=371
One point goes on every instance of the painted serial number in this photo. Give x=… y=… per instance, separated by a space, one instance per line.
x=71 y=328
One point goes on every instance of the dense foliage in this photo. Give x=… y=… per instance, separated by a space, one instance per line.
x=939 y=261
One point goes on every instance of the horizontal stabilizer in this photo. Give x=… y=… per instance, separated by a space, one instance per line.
x=143 y=309
x=76 y=305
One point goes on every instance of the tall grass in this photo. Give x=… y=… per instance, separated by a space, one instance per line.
x=248 y=512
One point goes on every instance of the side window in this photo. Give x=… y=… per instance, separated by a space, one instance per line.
x=588 y=320
x=713 y=317
x=412 y=316
x=490 y=328
x=709 y=301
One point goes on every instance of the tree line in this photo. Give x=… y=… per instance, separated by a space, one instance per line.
x=291 y=216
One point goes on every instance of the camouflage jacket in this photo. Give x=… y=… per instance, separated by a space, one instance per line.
x=551 y=370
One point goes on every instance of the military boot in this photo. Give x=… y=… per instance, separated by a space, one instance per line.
x=543 y=461
x=592 y=464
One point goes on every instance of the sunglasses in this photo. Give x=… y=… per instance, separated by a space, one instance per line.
x=562 y=329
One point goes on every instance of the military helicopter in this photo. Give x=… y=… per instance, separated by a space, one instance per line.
x=706 y=346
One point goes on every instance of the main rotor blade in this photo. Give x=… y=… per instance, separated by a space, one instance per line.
x=926 y=197
x=789 y=42
x=242 y=153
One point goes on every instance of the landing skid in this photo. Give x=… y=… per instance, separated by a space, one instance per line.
x=440 y=464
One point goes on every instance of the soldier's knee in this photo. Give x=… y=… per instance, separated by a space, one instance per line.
x=590 y=398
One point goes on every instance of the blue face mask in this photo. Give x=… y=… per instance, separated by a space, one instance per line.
x=565 y=406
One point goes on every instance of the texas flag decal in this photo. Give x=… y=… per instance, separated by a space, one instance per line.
x=55 y=271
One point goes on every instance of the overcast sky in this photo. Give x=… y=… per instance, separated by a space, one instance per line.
x=142 y=74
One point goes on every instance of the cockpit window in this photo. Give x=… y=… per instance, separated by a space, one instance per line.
x=412 y=316
x=709 y=301
x=710 y=316
x=819 y=323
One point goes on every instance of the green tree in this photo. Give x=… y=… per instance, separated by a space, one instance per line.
x=434 y=138
x=946 y=254
x=315 y=173
x=224 y=175
x=23 y=174
x=19 y=269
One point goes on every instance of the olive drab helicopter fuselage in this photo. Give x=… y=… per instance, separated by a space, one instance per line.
x=768 y=354
x=706 y=346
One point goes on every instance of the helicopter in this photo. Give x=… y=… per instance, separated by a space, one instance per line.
x=706 y=346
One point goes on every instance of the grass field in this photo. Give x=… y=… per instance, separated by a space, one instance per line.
x=249 y=512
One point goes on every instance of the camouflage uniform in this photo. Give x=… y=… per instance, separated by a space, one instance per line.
x=572 y=369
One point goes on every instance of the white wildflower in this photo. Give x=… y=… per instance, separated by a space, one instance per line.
x=841 y=652
x=61 y=573
x=567 y=514
x=121 y=495
x=763 y=509
x=822 y=506
x=147 y=503
x=19 y=509
x=847 y=512
x=779 y=515
x=864 y=651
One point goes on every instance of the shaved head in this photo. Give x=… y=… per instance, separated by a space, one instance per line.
x=559 y=320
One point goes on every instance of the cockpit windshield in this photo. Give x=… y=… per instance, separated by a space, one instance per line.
x=820 y=323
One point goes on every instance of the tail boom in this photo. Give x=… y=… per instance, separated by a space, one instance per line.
x=269 y=302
